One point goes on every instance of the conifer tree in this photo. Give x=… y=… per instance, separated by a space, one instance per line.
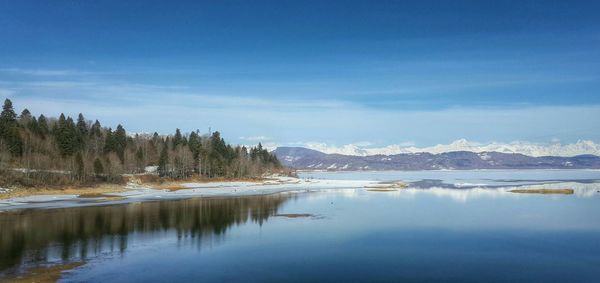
x=43 y=126
x=9 y=129
x=109 y=141
x=65 y=134
x=163 y=160
x=25 y=117
x=67 y=145
x=82 y=125
x=8 y=113
x=98 y=168
x=96 y=130
x=120 y=142
x=177 y=138
x=79 y=166
x=139 y=157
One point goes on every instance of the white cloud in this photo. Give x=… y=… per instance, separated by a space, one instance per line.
x=527 y=148
x=6 y=93
x=162 y=108
x=256 y=138
x=40 y=72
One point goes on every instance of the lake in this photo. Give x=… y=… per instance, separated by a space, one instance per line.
x=467 y=229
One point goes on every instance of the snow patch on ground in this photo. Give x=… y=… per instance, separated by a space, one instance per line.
x=137 y=193
x=151 y=169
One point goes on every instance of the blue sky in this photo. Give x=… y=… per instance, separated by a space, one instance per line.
x=292 y=72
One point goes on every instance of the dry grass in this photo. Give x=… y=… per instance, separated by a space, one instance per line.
x=382 y=190
x=543 y=191
x=294 y=215
x=45 y=274
x=387 y=186
x=152 y=181
x=104 y=197
x=68 y=190
x=173 y=186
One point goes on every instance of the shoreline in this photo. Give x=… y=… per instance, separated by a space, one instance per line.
x=136 y=191
x=141 y=188
x=448 y=170
x=105 y=187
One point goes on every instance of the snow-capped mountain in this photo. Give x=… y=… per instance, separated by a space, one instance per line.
x=304 y=158
x=526 y=148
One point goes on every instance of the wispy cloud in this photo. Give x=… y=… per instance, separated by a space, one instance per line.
x=256 y=138
x=247 y=118
x=41 y=72
x=6 y=92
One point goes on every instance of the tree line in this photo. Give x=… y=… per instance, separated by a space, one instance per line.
x=42 y=150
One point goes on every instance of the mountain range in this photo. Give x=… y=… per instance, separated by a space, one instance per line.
x=309 y=159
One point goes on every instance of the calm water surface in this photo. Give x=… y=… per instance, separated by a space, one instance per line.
x=353 y=235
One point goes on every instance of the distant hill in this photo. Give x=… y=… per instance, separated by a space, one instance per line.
x=303 y=158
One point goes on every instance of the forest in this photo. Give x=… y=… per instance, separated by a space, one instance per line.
x=63 y=151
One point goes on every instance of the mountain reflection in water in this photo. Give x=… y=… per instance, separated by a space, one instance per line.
x=33 y=237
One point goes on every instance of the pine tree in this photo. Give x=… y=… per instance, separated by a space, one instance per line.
x=79 y=166
x=139 y=157
x=114 y=153
x=109 y=141
x=98 y=168
x=34 y=126
x=163 y=161
x=120 y=142
x=8 y=113
x=25 y=117
x=9 y=129
x=96 y=130
x=65 y=134
x=82 y=125
x=177 y=139
x=195 y=145
x=43 y=125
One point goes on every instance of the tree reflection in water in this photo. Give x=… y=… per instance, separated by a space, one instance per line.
x=33 y=237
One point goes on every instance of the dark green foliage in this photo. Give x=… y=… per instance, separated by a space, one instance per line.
x=25 y=116
x=139 y=158
x=33 y=126
x=82 y=125
x=77 y=152
x=79 y=166
x=139 y=154
x=177 y=138
x=98 y=168
x=8 y=113
x=120 y=142
x=96 y=130
x=43 y=126
x=109 y=141
x=66 y=136
x=163 y=161
x=9 y=129
x=195 y=145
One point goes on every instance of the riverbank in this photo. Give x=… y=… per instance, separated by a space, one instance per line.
x=457 y=185
x=137 y=190
x=66 y=190
x=144 y=180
